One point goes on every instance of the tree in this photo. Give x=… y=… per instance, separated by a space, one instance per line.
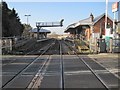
x=11 y=25
x=26 y=30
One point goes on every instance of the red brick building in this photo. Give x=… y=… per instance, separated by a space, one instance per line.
x=90 y=27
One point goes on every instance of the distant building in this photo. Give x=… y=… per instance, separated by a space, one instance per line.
x=53 y=35
x=42 y=33
x=90 y=27
x=63 y=36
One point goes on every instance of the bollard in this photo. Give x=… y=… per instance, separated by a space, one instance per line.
x=96 y=47
x=90 y=45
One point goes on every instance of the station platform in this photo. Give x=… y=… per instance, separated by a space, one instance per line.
x=69 y=39
x=45 y=39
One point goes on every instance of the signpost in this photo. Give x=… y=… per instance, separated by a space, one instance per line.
x=107 y=30
x=115 y=6
x=116 y=41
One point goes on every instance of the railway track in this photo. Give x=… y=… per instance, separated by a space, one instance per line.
x=20 y=73
x=36 y=81
x=93 y=71
x=63 y=68
x=36 y=51
x=63 y=72
x=31 y=47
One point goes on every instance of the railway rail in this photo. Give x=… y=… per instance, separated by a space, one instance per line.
x=67 y=68
x=16 y=76
x=36 y=81
x=37 y=51
x=92 y=70
x=32 y=47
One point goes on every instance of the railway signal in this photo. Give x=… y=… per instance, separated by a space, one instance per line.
x=39 y=25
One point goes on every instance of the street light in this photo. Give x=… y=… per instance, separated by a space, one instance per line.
x=27 y=18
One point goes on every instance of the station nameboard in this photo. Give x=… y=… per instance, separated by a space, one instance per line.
x=115 y=6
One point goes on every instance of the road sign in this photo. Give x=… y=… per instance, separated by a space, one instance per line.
x=115 y=7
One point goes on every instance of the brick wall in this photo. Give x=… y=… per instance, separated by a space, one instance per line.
x=102 y=21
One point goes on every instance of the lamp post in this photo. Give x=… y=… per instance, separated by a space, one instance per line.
x=27 y=18
x=27 y=26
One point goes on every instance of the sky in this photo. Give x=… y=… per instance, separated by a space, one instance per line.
x=71 y=12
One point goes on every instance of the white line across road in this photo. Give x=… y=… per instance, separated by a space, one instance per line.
x=36 y=81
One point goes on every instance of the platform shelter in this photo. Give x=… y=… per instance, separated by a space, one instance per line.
x=42 y=33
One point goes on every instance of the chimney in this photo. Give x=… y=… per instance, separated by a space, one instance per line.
x=92 y=17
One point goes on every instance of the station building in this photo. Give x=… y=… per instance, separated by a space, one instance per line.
x=42 y=33
x=90 y=27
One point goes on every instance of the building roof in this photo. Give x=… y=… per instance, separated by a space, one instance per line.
x=41 y=30
x=99 y=17
x=86 y=21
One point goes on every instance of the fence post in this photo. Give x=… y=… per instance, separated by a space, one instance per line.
x=90 y=44
x=96 y=49
x=1 y=45
x=10 y=40
x=111 y=45
x=5 y=45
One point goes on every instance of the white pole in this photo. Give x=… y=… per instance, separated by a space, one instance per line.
x=106 y=15
x=114 y=31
